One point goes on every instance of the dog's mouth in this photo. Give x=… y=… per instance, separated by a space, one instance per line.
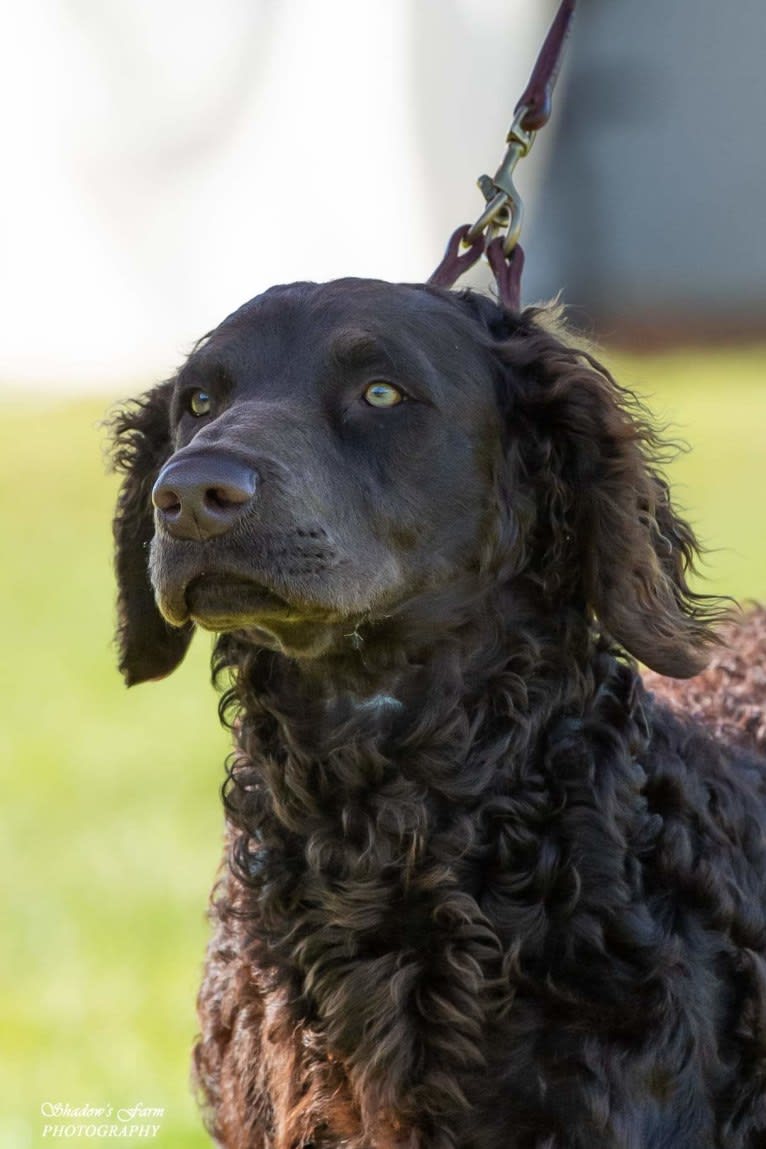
x=291 y=591
x=236 y=582
x=225 y=602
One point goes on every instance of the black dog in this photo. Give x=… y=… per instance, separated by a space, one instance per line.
x=482 y=890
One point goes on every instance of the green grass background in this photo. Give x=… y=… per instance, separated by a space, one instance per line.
x=112 y=822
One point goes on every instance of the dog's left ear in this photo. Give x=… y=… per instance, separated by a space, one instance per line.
x=605 y=532
x=149 y=648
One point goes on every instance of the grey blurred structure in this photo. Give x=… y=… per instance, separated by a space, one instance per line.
x=650 y=214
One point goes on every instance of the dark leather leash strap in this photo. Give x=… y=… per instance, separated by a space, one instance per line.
x=454 y=263
x=537 y=97
x=504 y=209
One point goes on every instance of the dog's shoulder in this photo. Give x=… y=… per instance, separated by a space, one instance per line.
x=709 y=795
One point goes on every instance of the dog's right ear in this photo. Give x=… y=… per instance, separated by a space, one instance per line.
x=149 y=648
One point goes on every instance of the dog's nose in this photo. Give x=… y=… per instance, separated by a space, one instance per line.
x=200 y=497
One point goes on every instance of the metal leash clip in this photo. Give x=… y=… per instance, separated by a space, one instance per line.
x=505 y=207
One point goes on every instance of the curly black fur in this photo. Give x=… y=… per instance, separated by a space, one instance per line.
x=481 y=889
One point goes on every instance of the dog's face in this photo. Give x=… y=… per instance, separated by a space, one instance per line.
x=333 y=451
x=328 y=460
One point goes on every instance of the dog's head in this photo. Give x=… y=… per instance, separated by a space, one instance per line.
x=333 y=451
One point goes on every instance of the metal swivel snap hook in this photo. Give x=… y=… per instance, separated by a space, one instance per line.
x=505 y=207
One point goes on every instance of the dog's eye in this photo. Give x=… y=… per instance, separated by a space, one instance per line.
x=200 y=403
x=383 y=395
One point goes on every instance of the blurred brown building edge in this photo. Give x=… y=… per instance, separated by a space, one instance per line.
x=661 y=330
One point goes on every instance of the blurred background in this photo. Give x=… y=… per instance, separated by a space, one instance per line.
x=165 y=161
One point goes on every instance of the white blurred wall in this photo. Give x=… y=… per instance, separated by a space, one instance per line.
x=167 y=159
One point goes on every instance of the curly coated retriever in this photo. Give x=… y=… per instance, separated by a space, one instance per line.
x=482 y=890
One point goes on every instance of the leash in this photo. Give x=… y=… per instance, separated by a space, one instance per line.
x=504 y=211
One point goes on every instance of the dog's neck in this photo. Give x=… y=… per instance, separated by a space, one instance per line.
x=397 y=833
x=470 y=701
